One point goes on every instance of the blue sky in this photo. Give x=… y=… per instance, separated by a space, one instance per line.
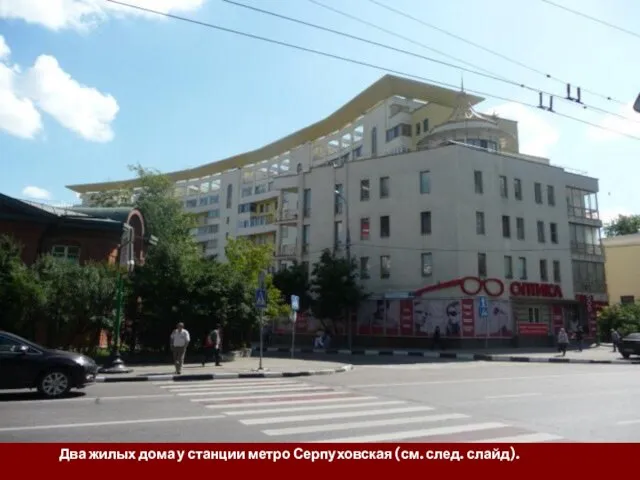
x=87 y=89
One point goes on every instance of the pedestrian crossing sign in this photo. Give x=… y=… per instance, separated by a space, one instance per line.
x=261 y=298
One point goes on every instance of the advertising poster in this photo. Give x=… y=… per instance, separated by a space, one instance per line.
x=392 y=319
x=467 y=314
x=443 y=314
x=533 y=329
x=500 y=320
x=406 y=317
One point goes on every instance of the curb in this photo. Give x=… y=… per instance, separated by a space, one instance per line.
x=452 y=356
x=222 y=376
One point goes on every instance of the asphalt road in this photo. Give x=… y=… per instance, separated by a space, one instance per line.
x=422 y=402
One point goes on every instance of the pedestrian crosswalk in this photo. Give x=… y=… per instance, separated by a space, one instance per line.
x=295 y=411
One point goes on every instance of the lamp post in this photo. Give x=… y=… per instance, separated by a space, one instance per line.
x=114 y=363
x=348 y=251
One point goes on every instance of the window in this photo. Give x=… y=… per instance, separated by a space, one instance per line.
x=338 y=203
x=385 y=226
x=425 y=125
x=337 y=233
x=508 y=267
x=541 y=235
x=520 y=228
x=306 y=202
x=427 y=264
x=534 y=315
x=364 y=268
x=400 y=130
x=537 y=189
x=66 y=252
x=425 y=223
x=365 y=228
x=506 y=226
x=544 y=274
x=480 y=223
x=482 y=265
x=522 y=268
x=551 y=195
x=553 y=232
x=556 y=271
x=517 y=188
x=364 y=190
x=384 y=187
x=305 y=237
x=374 y=141
x=229 y=195
x=9 y=345
x=417 y=128
x=626 y=299
x=385 y=266
x=425 y=182
x=477 y=180
x=504 y=189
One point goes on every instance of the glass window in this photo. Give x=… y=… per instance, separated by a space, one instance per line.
x=504 y=189
x=385 y=226
x=425 y=223
x=365 y=228
x=477 y=179
x=364 y=190
x=520 y=228
x=229 y=195
x=427 y=264
x=384 y=187
x=480 y=230
x=482 y=264
x=66 y=252
x=556 y=271
x=338 y=203
x=553 y=232
x=364 y=268
x=517 y=188
x=506 y=226
x=425 y=182
x=537 y=188
x=541 y=235
x=385 y=266
x=522 y=268
x=551 y=195
x=508 y=267
x=374 y=141
x=306 y=202
x=544 y=274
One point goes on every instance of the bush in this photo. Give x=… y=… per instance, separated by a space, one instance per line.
x=623 y=317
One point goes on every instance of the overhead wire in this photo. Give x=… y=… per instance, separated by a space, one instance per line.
x=593 y=19
x=490 y=76
x=491 y=51
x=365 y=64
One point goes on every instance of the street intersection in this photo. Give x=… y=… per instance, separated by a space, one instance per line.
x=387 y=402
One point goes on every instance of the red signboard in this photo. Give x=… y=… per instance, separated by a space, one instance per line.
x=406 y=317
x=523 y=289
x=468 y=317
x=530 y=329
x=557 y=318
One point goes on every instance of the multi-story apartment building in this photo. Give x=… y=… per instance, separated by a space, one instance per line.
x=451 y=227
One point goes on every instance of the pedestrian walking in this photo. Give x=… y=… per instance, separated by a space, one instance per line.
x=615 y=339
x=579 y=337
x=213 y=345
x=563 y=341
x=179 y=341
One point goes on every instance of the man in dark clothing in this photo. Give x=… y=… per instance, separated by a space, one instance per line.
x=214 y=345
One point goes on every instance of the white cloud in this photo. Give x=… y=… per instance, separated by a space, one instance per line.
x=607 y=215
x=536 y=135
x=617 y=124
x=77 y=107
x=18 y=115
x=82 y=15
x=5 y=51
x=36 y=193
x=48 y=87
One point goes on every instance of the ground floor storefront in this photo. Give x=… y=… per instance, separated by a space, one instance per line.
x=467 y=312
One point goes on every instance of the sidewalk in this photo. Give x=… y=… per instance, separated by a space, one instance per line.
x=239 y=368
x=593 y=354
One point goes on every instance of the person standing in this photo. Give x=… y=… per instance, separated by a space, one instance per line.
x=179 y=342
x=214 y=342
x=563 y=341
x=615 y=339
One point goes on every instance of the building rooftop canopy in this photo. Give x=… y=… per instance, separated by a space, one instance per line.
x=386 y=87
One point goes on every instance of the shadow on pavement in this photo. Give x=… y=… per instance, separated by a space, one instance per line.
x=33 y=395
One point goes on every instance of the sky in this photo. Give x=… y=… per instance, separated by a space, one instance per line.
x=88 y=87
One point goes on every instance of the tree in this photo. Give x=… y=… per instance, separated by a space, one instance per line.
x=112 y=198
x=335 y=288
x=623 y=317
x=247 y=260
x=294 y=280
x=623 y=225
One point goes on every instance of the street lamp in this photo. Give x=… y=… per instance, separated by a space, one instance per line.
x=114 y=363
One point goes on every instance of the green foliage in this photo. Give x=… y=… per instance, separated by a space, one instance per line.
x=334 y=287
x=623 y=225
x=294 y=280
x=623 y=317
x=248 y=259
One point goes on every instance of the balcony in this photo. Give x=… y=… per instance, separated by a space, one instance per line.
x=286 y=252
x=586 y=249
x=287 y=217
x=257 y=224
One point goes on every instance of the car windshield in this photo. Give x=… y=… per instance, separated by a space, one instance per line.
x=633 y=336
x=18 y=339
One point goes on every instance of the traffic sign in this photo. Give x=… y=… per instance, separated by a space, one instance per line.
x=295 y=303
x=261 y=298
x=483 y=307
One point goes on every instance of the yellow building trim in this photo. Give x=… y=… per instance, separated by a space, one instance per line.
x=386 y=87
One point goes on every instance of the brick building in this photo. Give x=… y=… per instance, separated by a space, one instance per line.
x=76 y=234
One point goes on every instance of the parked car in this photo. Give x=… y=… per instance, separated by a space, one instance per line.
x=630 y=345
x=24 y=364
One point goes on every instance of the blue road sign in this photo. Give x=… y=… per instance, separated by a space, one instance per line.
x=295 y=303
x=261 y=298
x=483 y=307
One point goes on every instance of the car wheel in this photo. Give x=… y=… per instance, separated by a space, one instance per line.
x=626 y=355
x=54 y=383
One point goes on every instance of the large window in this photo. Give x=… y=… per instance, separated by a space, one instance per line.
x=582 y=204
x=70 y=253
x=425 y=182
x=585 y=240
x=425 y=223
x=589 y=277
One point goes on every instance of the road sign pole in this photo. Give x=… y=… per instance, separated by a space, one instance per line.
x=293 y=333
x=261 y=338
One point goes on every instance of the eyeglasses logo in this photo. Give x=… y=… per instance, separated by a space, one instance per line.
x=473 y=286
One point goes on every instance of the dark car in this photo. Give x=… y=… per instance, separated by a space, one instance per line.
x=24 y=364
x=630 y=345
